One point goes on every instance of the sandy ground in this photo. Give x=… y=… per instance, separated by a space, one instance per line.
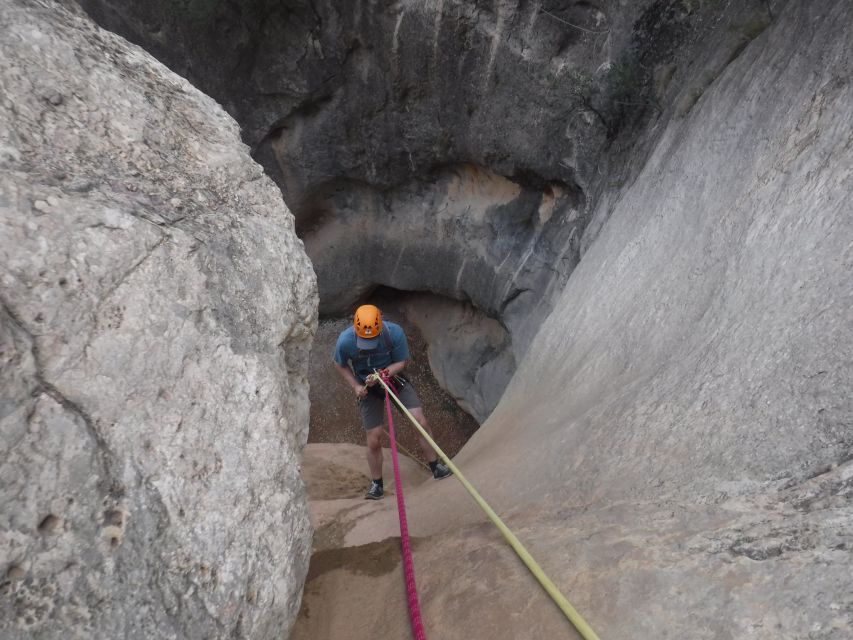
x=336 y=477
x=627 y=567
x=355 y=586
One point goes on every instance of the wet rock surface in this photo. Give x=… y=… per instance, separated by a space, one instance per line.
x=157 y=311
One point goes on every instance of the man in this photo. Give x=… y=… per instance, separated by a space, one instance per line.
x=373 y=345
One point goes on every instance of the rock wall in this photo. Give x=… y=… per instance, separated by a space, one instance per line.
x=676 y=446
x=157 y=311
x=687 y=406
x=469 y=353
x=458 y=237
x=381 y=93
x=714 y=306
x=450 y=147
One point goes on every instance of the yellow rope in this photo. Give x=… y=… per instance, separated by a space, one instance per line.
x=565 y=606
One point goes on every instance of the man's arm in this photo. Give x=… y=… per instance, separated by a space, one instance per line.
x=396 y=367
x=346 y=374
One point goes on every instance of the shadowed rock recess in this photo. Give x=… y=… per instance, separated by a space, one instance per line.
x=623 y=230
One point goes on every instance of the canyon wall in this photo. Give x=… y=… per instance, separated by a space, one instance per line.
x=675 y=447
x=157 y=312
x=451 y=147
x=646 y=209
x=714 y=307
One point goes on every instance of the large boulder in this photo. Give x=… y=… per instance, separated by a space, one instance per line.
x=157 y=311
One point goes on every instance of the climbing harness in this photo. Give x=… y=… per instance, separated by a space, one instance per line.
x=565 y=606
x=408 y=563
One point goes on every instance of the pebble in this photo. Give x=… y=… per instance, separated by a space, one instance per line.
x=41 y=205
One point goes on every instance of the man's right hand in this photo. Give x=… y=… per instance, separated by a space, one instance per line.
x=360 y=391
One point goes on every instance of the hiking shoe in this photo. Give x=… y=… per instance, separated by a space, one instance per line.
x=441 y=471
x=375 y=492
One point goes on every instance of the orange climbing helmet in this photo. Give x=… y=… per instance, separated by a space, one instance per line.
x=367 y=323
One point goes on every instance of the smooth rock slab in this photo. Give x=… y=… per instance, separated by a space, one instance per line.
x=157 y=311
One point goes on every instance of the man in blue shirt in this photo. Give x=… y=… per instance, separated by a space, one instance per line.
x=373 y=345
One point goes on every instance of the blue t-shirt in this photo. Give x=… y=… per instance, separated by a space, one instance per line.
x=363 y=362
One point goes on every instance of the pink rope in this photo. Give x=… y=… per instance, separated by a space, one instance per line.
x=408 y=564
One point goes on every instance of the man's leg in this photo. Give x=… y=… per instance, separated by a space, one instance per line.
x=438 y=469
x=371 y=416
x=429 y=453
x=374 y=452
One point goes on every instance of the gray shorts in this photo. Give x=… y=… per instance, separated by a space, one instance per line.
x=372 y=406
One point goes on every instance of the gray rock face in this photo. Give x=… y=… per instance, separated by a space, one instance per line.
x=157 y=310
x=450 y=147
x=701 y=357
x=676 y=448
x=715 y=305
x=459 y=237
x=470 y=353
x=381 y=93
